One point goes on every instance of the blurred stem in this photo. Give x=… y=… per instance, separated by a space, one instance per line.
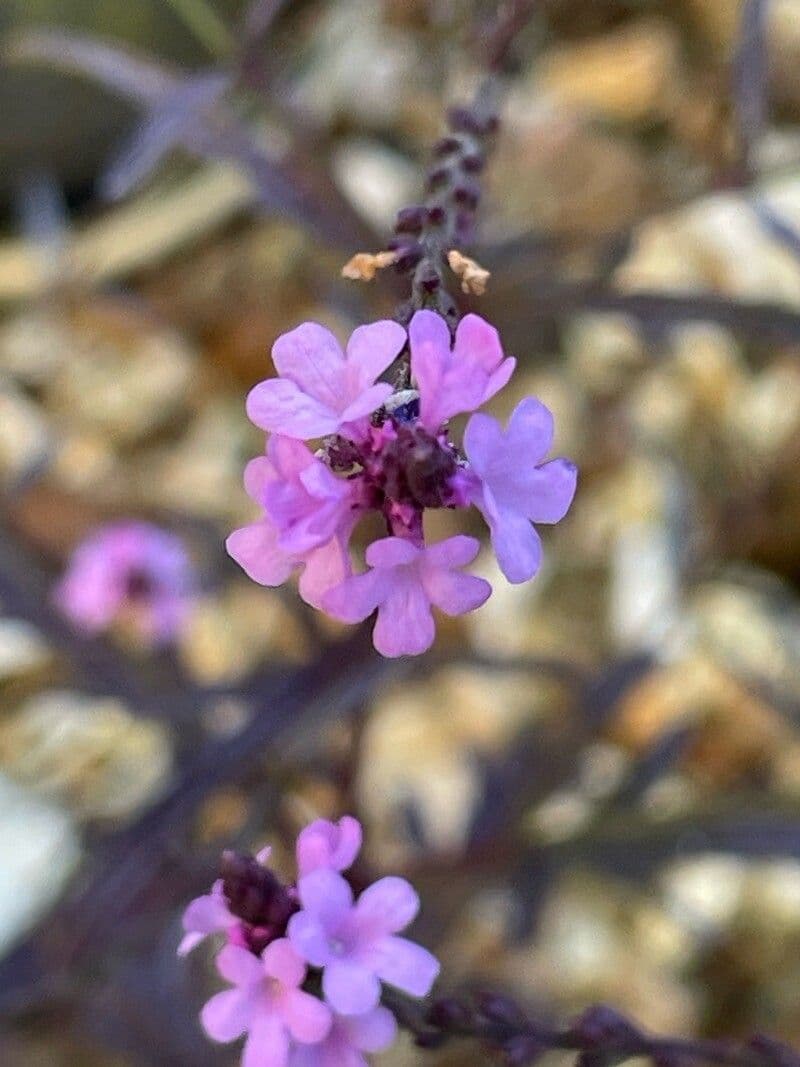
x=207 y=26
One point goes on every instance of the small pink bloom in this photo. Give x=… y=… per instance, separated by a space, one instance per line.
x=349 y=1037
x=515 y=487
x=405 y=580
x=206 y=915
x=457 y=378
x=133 y=569
x=356 y=944
x=267 y=1003
x=321 y=390
x=324 y=844
x=261 y=548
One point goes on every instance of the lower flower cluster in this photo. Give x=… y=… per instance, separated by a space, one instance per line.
x=389 y=450
x=306 y=961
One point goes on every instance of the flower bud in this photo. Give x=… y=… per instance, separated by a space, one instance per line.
x=253 y=892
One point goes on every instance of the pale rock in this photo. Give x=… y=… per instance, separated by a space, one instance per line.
x=23 y=650
x=25 y=439
x=377 y=181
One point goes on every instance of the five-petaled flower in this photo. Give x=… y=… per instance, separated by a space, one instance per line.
x=391 y=452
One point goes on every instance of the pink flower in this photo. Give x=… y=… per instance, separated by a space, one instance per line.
x=355 y=944
x=206 y=915
x=515 y=488
x=322 y=390
x=267 y=1003
x=405 y=580
x=349 y=1036
x=133 y=569
x=309 y=509
x=324 y=844
x=455 y=379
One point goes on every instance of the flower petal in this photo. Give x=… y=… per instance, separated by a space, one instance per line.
x=227 y=1015
x=281 y=960
x=452 y=552
x=258 y=473
x=483 y=440
x=499 y=379
x=405 y=624
x=388 y=905
x=546 y=492
x=326 y=895
x=308 y=1019
x=531 y=428
x=326 y=567
x=365 y=403
x=189 y=942
x=255 y=549
x=354 y=599
x=391 y=552
x=239 y=966
x=455 y=593
x=477 y=342
x=516 y=544
x=207 y=914
x=310 y=937
x=373 y=348
x=311 y=357
x=349 y=988
x=373 y=1031
x=429 y=339
x=326 y=844
x=406 y=966
x=279 y=406
x=267 y=1044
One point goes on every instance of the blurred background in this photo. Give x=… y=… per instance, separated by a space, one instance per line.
x=595 y=780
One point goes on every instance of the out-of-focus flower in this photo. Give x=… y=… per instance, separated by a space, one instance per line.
x=269 y=943
x=349 y=1037
x=322 y=390
x=355 y=944
x=133 y=570
x=324 y=844
x=267 y=1003
x=404 y=582
x=458 y=376
x=514 y=487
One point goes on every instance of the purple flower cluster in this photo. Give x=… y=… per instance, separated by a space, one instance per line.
x=128 y=569
x=389 y=451
x=305 y=962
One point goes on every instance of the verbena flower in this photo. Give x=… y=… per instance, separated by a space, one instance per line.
x=322 y=390
x=511 y=494
x=132 y=570
x=355 y=944
x=349 y=1037
x=402 y=584
x=391 y=452
x=267 y=1003
x=305 y=963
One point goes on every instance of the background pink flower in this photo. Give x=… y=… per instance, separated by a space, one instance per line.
x=355 y=944
x=405 y=580
x=322 y=389
x=516 y=488
x=134 y=568
x=266 y=1003
x=458 y=376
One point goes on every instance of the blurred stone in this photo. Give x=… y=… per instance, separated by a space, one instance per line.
x=630 y=75
x=377 y=181
x=23 y=651
x=39 y=850
x=32 y=346
x=227 y=637
x=25 y=439
x=91 y=754
x=603 y=351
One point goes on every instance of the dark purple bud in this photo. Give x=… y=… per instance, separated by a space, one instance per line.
x=445 y=146
x=467 y=195
x=473 y=162
x=498 y=1008
x=408 y=256
x=428 y=278
x=464 y=119
x=522 y=1050
x=438 y=177
x=253 y=892
x=437 y=214
x=449 y=1014
x=411 y=219
x=601 y=1025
